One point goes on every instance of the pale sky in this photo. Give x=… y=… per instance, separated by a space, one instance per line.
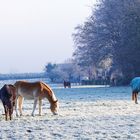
x=35 y=32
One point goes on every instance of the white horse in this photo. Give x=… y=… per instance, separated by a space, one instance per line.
x=36 y=91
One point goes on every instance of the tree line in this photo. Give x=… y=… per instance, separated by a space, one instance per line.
x=22 y=76
x=107 y=45
x=110 y=40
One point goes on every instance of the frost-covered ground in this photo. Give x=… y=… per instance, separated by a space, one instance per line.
x=85 y=114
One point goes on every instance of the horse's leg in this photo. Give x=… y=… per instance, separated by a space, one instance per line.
x=136 y=97
x=10 y=113
x=34 y=107
x=10 y=110
x=20 y=103
x=16 y=105
x=40 y=107
x=6 y=112
x=133 y=95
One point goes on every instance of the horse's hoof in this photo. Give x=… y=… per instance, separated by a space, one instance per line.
x=32 y=115
x=55 y=113
x=17 y=115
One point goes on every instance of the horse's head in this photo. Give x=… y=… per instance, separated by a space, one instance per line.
x=54 y=107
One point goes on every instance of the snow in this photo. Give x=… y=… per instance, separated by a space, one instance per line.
x=85 y=114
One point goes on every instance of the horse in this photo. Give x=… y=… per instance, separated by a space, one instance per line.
x=67 y=84
x=135 y=85
x=8 y=96
x=36 y=91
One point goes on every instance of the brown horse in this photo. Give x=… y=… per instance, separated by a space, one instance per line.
x=67 y=84
x=36 y=91
x=8 y=96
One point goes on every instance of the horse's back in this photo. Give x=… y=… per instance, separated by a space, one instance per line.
x=4 y=94
x=28 y=89
x=33 y=89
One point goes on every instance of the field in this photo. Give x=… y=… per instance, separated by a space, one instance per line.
x=86 y=113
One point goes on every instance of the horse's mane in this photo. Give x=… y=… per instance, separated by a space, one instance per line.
x=47 y=87
x=52 y=95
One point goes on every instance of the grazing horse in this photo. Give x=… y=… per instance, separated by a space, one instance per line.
x=67 y=84
x=8 y=96
x=135 y=85
x=36 y=91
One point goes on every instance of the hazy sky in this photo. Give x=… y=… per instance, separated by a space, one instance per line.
x=35 y=32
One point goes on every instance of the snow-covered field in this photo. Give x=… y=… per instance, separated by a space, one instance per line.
x=89 y=113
